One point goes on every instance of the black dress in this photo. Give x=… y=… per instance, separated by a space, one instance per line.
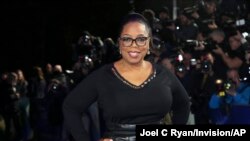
x=124 y=103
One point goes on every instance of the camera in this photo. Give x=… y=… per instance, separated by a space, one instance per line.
x=193 y=61
x=219 y=87
x=180 y=67
x=158 y=44
x=245 y=73
x=229 y=84
x=222 y=87
x=191 y=44
x=240 y=22
x=54 y=86
x=178 y=64
x=206 y=66
x=210 y=44
x=207 y=21
x=86 y=62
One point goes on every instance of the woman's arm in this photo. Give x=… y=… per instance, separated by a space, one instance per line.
x=76 y=103
x=181 y=102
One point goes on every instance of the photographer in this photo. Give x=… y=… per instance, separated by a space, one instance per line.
x=91 y=46
x=205 y=17
x=203 y=85
x=236 y=54
x=187 y=28
x=218 y=37
x=235 y=92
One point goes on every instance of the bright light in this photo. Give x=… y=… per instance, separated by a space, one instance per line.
x=180 y=57
x=69 y=71
x=218 y=81
x=245 y=34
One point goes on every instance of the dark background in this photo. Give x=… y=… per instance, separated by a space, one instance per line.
x=35 y=33
x=38 y=32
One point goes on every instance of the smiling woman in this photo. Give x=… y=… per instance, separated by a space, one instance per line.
x=130 y=91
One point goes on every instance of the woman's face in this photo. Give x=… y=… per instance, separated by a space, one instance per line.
x=134 y=42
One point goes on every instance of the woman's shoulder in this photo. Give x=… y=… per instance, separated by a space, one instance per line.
x=161 y=69
x=106 y=67
x=102 y=69
x=98 y=74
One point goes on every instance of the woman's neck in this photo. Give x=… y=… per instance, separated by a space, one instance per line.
x=133 y=67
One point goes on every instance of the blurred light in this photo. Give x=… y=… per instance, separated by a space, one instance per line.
x=69 y=71
x=180 y=57
x=218 y=81
x=245 y=34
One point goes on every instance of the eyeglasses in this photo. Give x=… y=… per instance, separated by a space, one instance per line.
x=139 y=41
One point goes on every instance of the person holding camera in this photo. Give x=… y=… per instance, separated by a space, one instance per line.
x=236 y=53
x=130 y=91
x=234 y=92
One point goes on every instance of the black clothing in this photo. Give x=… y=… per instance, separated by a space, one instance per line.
x=115 y=130
x=240 y=53
x=11 y=111
x=204 y=86
x=220 y=67
x=122 y=104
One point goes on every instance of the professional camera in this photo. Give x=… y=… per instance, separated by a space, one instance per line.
x=180 y=67
x=54 y=86
x=209 y=44
x=85 y=39
x=245 y=73
x=229 y=84
x=191 y=9
x=178 y=63
x=222 y=87
x=158 y=44
x=190 y=43
x=206 y=66
x=86 y=62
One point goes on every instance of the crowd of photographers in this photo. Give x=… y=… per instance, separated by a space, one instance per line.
x=210 y=55
x=206 y=48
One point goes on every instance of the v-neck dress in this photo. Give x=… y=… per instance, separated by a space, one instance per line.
x=120 y=103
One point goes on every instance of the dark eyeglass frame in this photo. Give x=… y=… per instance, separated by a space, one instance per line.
x=136 y=40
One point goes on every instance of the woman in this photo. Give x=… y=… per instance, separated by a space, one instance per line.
x=129 y=91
